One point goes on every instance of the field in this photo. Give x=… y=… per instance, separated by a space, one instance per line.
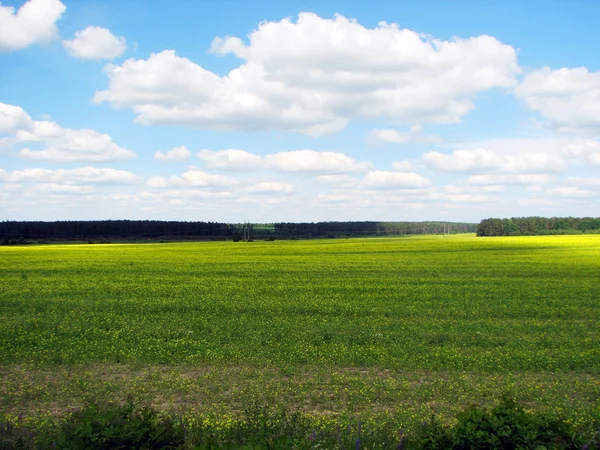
x=403 y=327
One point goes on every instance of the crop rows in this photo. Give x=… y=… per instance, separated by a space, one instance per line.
x=490 y=308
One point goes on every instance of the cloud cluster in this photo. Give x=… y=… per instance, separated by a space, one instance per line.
x=231 y=159
x=587 y=152
x=33 y=23
x=415 y=135
x=306 y=161
x=58 y=143
x=191 y=178
x=482 y=160
x=175 y=154
x=313 y=76
x=568 y=98
x=95 y=43
x=82 y=175
x=64 y=182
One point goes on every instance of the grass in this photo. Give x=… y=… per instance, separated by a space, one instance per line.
x=369 y=327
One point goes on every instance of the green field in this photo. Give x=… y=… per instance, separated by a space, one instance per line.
x=404 y=326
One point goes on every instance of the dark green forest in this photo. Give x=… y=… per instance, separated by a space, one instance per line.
x=530 y=226
x=20 y=232
x=12 y=232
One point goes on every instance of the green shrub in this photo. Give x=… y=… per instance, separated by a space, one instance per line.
x=117 y=427
x=507 y=426
x=14 y=436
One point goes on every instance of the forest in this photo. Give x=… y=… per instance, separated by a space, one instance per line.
x=13 y=232
x=530 y=226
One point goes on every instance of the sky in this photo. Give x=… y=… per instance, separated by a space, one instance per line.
x=272 y=111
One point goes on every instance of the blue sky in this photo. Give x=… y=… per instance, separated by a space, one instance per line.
x=298 y=111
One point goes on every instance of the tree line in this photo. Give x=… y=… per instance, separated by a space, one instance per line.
x=15 y=232
x=529 y=226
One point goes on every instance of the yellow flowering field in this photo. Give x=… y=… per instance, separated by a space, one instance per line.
x=404 y=326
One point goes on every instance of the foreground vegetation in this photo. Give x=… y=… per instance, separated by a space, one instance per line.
x=114 y=426
x=382 y=331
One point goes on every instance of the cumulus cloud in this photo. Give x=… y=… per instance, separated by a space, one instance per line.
x=77 y=145
x=394 y=180
x=403 y=166
x=313 y=76
x=466 y=198
x=336 y=198
x=536 y=202
x=95 y=43
x=175 y=154
x=13 y=118
x=62 y=189
x=588 y=152
x=509 y=179
x=342 y=180
x=231 y=159
x=574 y=192
x=270 y=187
x=583 y=181
x=415 y=135
x=569 y=98
x=78 y=176
x=312 y=161
x=482 y=160
x=33 y=23
x=308 y=161
x=192 y=178
x=59 y=144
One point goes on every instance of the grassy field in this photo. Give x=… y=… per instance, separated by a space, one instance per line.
x=350 y=327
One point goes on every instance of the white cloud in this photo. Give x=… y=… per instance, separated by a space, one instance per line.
x=231 y=159
x=342 y=180
x=466 y=198
x=387 y=135
x=574 y=192
x=588 y=152
x=60 y=144
x=568 y=98
x=175 y=154
x=77 y=145
x=82 y=175
x=95 y=43
x=583 y=181
x=535 y=188
x=33 y=23
x=336 y=198
x=415 y=135
x=289 y=161
x=314 y=75
x=312 y=161
x=63 y=189
x=467 y=189
x=509 y=179
x=403 y=166
x=482 y=160
x=394 y=180
x=13 y=118
x=536 y=202
x=270 y=187
x=492 y=188
x=193 y=177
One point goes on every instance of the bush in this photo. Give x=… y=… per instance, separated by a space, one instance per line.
x=507 y=426
x=14 y=436
x=117 y=427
